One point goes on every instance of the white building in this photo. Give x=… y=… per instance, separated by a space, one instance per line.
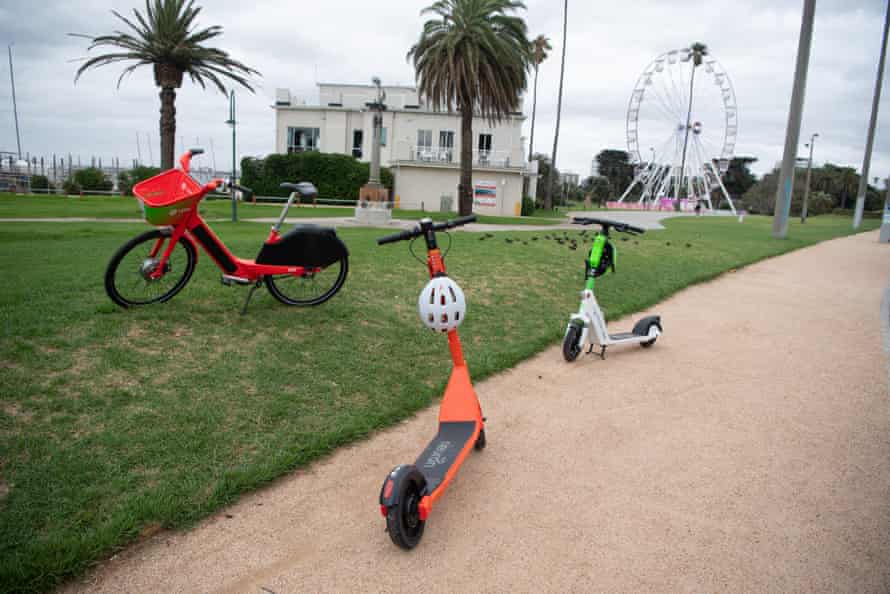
x=419 y=144
x=570 y=178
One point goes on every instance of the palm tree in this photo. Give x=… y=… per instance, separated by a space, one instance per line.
x=540 y=47
x=165 y=38
x=548 y=194
x=697 y=51
x=473 y=56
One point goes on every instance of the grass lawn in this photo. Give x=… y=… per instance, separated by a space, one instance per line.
x=127 y=207
x=114 y=423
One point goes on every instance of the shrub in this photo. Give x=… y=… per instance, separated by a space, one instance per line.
x=528 y=206
x=71 y=187
x=818 y=203
x=337 y=177
x=127 y=179
x=92 y=179
x=39 y=182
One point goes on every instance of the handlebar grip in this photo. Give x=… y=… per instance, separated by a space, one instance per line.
x=244 y=189
x=196 y=151
x=461 y=221
x=401 y=235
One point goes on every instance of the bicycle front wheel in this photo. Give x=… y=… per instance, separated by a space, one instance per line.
x=310 y=287
x=131 y=278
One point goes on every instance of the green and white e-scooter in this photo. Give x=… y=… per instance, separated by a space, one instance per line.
x=590 y=317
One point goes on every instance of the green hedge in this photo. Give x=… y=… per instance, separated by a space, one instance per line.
x=337 y=177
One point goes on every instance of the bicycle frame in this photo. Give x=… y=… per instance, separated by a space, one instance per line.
x=196 y=230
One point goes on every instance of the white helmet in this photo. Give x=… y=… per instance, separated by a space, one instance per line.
x=441 y=304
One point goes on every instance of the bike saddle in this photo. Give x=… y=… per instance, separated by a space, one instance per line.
x=303 y=188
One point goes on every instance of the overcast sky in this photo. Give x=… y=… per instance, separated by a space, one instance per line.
x=295 y=44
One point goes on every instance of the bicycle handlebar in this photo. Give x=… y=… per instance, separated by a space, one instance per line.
x=606 y=223
x=186 y=158
x=418 y=231
x=242 y=189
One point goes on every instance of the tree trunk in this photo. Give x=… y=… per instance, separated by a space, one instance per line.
x=548 y=196
x=168 y=127
x=465 y=189
x=531 y=140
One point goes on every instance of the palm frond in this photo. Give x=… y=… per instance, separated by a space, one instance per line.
x=474 y=55
x=165 y=35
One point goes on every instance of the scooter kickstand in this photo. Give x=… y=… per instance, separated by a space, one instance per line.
x=603 y=353
x=255 y=286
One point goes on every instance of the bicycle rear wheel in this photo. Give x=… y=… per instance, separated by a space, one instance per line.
x=309 y=288
x=129 y=277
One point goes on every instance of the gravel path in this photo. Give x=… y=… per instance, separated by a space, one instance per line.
x=746 y=451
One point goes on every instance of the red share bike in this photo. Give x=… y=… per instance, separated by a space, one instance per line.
x=410 y=490
x=304 y=266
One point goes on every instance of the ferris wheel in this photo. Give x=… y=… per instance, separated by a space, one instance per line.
x=678 y=152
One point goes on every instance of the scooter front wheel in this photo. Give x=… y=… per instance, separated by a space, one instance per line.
x=571 y=344
x=403 y=519
x=309 y=288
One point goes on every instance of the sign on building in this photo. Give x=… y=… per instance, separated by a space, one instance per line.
x=485 y=193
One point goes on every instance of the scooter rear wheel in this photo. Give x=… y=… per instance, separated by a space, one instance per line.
x=403 y=519
x=571 y=345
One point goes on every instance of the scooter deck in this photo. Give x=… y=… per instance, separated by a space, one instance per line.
x=623 y=336
x=443 y=451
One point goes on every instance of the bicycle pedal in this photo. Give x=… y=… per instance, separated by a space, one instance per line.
x=229 y=280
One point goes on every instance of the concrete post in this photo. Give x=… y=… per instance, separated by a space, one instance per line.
x=866 y=160
x=792 y=134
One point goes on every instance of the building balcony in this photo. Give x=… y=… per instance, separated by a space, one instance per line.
x=451 y=155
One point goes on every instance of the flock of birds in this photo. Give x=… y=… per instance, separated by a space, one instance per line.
x=570 y=241
x=565 y=239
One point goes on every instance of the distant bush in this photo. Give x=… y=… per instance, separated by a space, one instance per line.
x=71 y=187
x=336 y=176
x=39 y=182
x=528 y=206
x=127 y=179
x=818 y=203
x=92 y=179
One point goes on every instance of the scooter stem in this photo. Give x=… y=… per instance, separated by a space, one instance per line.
x=457 y=354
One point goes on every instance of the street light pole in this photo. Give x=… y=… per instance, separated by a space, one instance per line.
x=15 y=111
x=231 y=122
x=792 y=134
x=806 y=191
x=866 y=160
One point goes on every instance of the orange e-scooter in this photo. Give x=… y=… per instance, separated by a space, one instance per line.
x=410 y=490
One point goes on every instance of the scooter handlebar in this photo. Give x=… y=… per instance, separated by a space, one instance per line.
x=400 y=236
x=417 y=231
x=459 y=221
x=618 y=226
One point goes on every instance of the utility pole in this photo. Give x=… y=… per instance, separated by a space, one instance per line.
x=792 y=134
x=231 y=122
x=806 y=191
x=885 y=216
x=15 y=111
x=866 y=160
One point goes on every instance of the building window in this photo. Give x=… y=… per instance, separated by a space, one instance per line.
x=484 y=147
x=357 y=138
x=425 y=145
x=382 y=136
x=302 y=139
x=446 y=145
